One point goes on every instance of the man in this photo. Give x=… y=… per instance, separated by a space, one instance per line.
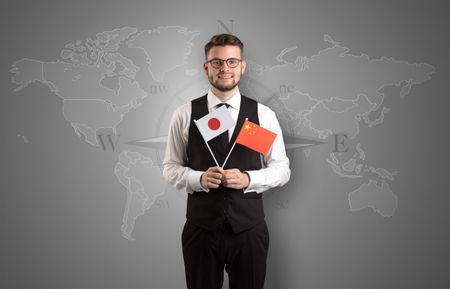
x=225 y=227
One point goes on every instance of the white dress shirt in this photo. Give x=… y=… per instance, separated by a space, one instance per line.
x=275 y=165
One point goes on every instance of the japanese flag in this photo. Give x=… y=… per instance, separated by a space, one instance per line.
x=215 y=123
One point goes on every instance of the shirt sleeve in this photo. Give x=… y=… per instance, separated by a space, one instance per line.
x=175 y=169
x=275 y=171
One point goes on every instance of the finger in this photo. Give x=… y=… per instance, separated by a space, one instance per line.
x=231 y=182
x=232 y=173
x=228 y=175
x=232 y=186
x=215 y=175
x=231 y=176
x=213 y=181
x=217 y=170
x=213 y=186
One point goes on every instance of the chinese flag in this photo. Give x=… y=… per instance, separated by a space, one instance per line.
x=255 y=137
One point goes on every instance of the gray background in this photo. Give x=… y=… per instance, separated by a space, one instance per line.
x=61 y=205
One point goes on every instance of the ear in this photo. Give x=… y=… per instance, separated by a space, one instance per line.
x=243 y=66
x=205 y=68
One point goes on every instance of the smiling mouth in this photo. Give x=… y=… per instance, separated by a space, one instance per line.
x=225 y=76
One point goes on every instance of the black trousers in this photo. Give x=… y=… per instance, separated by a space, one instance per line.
x=207 y=253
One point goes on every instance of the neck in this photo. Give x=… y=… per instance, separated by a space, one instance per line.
x=224 y=95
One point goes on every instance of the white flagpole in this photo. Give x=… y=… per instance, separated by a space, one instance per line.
x=226 y=159
x=217 y=164
x=229 y=153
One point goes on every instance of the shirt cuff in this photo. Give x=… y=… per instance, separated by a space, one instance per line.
x=194 y=184
x=256 y=179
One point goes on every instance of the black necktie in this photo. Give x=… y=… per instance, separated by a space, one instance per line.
x=223 y=138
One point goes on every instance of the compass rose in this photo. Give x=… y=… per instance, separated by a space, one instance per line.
x=291 y=142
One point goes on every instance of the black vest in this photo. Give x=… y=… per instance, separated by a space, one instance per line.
x=210 y=210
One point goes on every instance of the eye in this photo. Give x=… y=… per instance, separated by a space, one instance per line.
x=216 y=62
x=233 y=62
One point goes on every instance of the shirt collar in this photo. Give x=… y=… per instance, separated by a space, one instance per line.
x=234 y=101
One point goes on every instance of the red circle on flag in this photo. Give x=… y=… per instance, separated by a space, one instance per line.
x=214 y=123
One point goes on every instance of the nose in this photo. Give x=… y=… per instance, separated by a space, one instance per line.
x=224 y=66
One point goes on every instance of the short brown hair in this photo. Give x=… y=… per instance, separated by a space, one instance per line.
x=223 y=40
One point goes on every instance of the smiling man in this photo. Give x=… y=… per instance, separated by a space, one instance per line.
x=225 y=227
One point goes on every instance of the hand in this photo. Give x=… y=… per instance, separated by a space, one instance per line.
x=212 y=178
x=235 y=179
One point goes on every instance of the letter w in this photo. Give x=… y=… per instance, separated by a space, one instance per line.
x=111 y=143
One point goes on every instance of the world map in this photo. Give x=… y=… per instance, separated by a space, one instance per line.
x=330 y=96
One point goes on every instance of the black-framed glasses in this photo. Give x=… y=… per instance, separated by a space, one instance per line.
x=231 y=62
